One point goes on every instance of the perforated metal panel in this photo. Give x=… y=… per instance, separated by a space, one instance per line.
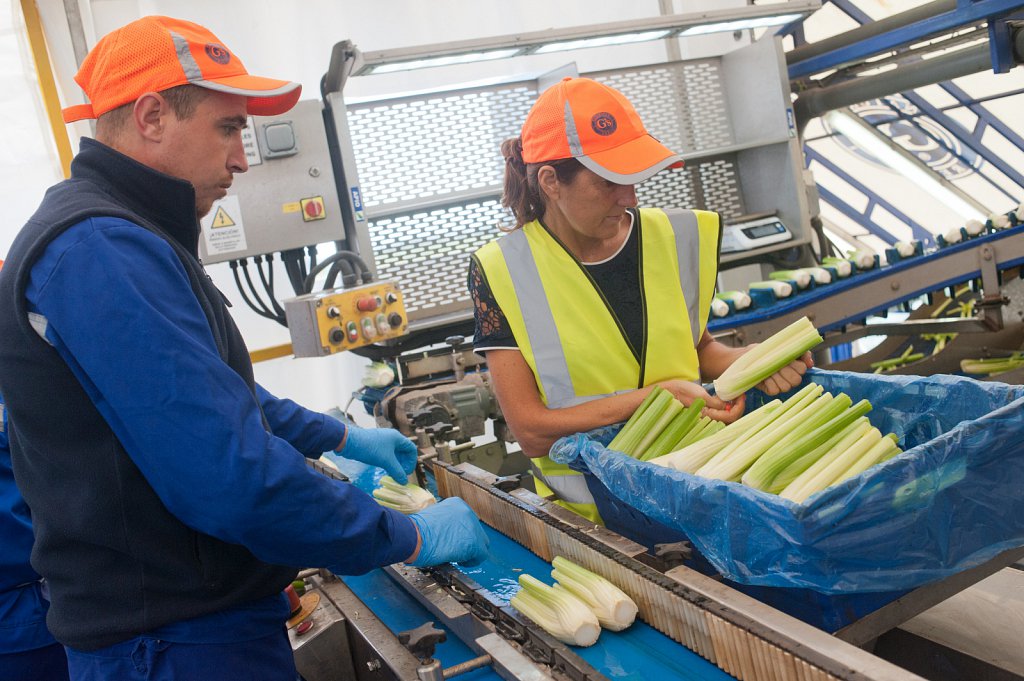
x=428 y=253
x=431 y=170
x=683 y=104
x=418 y=158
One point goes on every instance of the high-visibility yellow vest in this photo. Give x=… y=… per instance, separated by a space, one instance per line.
x=572 y=340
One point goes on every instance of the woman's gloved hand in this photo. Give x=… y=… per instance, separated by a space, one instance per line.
x=381 y=447
x=449 y=533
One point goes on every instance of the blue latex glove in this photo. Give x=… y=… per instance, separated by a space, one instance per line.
x=381 y=447
x=450 y=533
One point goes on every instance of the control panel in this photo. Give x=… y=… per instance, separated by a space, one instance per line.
x=287 y=199
x=753 y=231
x=327 y=322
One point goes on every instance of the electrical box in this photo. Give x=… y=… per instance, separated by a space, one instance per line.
x=287 y=199
x=327 y=322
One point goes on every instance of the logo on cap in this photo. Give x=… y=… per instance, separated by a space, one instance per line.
x=218 y=53
x=603 y=123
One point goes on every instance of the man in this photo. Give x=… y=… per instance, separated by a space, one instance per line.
x=27 y=649
x=168 y=490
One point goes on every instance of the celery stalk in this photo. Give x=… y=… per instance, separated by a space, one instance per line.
x=672 y=410
x=731 y=461
x=763 y=360
x=695 y=433
x=883 y=450
x=799 y=277
x=617 y=440
x=675 y=430
x=695 y=455
x=795 y=467
x=763 y=474
x=829 y=467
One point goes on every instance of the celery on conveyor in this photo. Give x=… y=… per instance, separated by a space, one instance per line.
x=651 y=415
x=617 y=440
x=999 y=221
x=693 y=456
x=782 y=464
x=819 y=274
x=864 y=260
x=799 y=277
x=974 y=227
x=833 y=464
x=557 y=611
x=720 y=308
x=740 y=299
x=764 y=359
x=992 y=365
x=614 y=609
x=730 y=462
x=883 y=450
x=674 y=432
x=906 y=249
x=408 y=498
x=842 y=266
x=781 y=289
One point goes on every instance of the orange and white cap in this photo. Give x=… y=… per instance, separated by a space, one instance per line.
x=583 y=119
x=154 y=53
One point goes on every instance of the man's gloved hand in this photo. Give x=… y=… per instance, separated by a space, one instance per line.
x=449 y=533
x=381 y=447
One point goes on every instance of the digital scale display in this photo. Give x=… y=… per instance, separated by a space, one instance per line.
x=746 y=235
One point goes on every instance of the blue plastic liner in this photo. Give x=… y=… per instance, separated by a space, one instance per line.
x=950 y=502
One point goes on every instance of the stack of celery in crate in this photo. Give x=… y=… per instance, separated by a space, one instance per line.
x=794 y=448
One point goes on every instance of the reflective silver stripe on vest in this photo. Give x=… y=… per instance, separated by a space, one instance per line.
x=684 y=224
x=552 y=369
x=188 y=63
x=39 y=323
x=570 y=488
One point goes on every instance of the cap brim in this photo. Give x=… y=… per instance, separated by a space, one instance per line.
x=267 y=96
x=632 y=162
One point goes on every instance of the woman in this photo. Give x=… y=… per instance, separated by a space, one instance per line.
x=589 y=302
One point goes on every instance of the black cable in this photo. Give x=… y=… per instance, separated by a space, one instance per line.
x=291 y=266
x=348 y=275
x=252 y=289
x=241 y=290
x=268 y=283
x=312 y=256
x=348 y=256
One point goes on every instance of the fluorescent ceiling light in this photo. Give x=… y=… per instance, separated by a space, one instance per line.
x=741 y=24
x=602 y=41
x=444 y=61
x=856 y=131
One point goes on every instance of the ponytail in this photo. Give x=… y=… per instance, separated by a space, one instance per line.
x=521 y=193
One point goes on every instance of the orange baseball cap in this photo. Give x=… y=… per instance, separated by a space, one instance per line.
x=155 y=53
x=583 y=119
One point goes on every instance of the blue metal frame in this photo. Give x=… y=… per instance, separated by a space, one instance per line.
x=863 y=218
x=968 y=12
x=987 y=156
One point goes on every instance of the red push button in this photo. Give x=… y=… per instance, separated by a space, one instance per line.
x=368 y=304
x=313 y=209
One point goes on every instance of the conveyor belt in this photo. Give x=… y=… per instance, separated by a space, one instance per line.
x=739 y=635
x=853 y=299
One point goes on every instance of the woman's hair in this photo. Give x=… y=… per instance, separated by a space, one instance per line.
x=522 y=193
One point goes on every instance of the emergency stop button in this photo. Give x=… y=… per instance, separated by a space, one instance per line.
x=313 y=209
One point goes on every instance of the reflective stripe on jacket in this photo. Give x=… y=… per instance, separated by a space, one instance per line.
x=569 y=336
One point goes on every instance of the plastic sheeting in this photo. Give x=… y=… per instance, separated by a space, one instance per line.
x=953 y=500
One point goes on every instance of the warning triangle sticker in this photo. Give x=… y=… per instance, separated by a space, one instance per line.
x=222 y=219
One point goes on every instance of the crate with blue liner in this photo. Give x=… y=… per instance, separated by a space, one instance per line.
x=948 y=502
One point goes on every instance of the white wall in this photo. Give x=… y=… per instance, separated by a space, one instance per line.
x=293 y=40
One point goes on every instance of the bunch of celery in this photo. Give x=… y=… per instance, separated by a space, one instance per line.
x=764 y=359
x=408 y=498
x=577 y=606
x=660 y=424
x=794 y=449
